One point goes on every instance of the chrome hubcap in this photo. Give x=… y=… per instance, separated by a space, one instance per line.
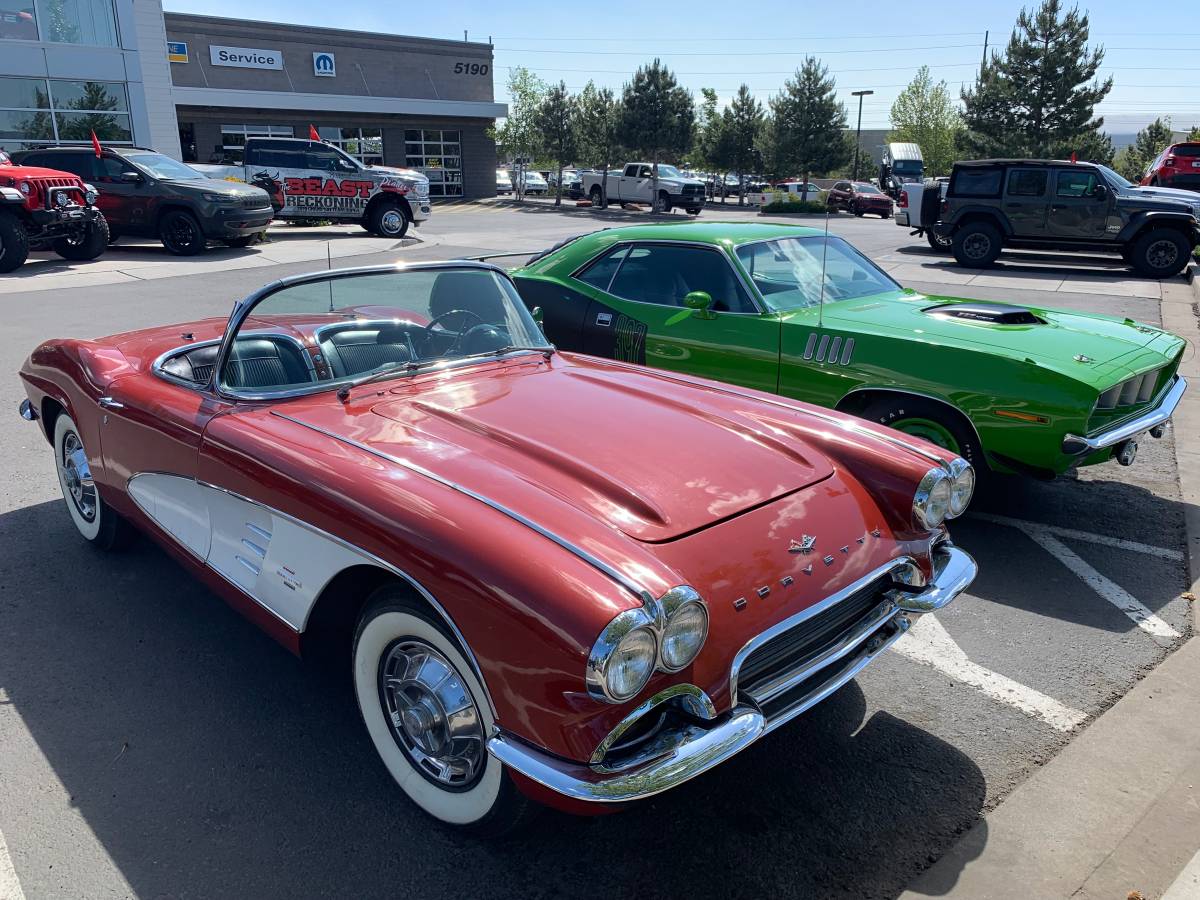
x=78 y=476
x=433 y=717
x=391 y=222
x=1162 y=254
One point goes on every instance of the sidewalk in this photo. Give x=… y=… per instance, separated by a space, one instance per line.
x=1118 y=810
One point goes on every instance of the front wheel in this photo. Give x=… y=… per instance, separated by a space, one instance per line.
x=429 y=718
x=14 y=243
x=388 y=220
x=180 y=233
x=1160 y=253
x=93 y=518
x=87 y=243
x=597 y=198
x=929 y=420
x=664 y=202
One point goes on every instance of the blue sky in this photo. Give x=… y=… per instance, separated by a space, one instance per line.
x=710 y=44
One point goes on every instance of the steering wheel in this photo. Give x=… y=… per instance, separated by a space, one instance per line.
x=458 y=338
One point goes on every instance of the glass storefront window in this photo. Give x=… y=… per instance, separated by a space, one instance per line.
x=33 y=111
x=438 y=155
x=61 y=21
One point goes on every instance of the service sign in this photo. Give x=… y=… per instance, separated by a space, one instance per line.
x=246 y=57
x=177 y=51
x=324 y=65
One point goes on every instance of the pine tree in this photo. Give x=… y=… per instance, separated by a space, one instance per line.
x=743 y=123
x=1194 y=134
x=657 y=118
x=1038 y=97
x=556 y=121
x=598 y=116
x=809 y=123
x=924 y=114
x=1150 y=141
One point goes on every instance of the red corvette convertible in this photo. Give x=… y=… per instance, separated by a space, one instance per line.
x=554 y=577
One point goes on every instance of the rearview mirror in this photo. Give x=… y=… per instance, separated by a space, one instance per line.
x=536 y=313
x=700 y=302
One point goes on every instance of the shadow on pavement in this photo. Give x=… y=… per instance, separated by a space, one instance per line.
x=210 y=763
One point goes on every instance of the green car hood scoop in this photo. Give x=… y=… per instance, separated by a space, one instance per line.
x=988 y=313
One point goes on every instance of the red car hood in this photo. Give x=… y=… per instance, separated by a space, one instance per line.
x=632 y=450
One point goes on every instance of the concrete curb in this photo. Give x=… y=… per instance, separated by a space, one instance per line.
x=1118 y=810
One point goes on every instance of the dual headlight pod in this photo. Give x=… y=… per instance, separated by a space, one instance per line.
x=943 y=494
x=664 y=635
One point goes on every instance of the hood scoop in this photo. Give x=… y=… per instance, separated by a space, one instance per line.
x=987 y=313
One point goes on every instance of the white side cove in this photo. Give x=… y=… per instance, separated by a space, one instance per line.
x=279 y=562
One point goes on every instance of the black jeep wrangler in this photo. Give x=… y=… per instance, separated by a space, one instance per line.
x=1060 y=205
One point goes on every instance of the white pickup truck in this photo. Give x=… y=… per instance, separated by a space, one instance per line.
x=918 y=208
x=635 y=184
x=314 y=180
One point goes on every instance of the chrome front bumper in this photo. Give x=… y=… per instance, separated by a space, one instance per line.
x=1160 y=415
x=683 y=753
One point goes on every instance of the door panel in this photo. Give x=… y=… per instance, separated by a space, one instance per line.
x=1076 y=212
x=1027 y=200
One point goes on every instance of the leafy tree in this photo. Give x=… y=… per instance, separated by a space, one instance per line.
x=809 y=123
x=556 y=121
x=1194 y=134
x=925 y=114
x=1038 y=97
x=657 y=117
x=712 y=147
x=597 y=119
x=743 y=124
x=1150 y=141
x=518 y=138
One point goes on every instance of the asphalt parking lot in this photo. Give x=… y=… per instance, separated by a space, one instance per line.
x=154 y=744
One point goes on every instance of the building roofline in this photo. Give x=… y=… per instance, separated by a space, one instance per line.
x=178 y=19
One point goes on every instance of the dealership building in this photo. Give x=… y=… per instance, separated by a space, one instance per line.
x=195 y=87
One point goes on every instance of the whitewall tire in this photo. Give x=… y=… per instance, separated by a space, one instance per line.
x=428 y=717
x=94 y=520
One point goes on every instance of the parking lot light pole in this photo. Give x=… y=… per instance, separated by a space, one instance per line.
x=858 y=131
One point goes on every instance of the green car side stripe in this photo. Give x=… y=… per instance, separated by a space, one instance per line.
x=1051 y=365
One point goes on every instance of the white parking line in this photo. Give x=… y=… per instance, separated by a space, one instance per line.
x=928 y=643
x=1187 y=885
x=10 y=887
x=1104 y=540
x=1111 y=591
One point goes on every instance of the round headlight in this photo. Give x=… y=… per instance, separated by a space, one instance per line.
x=24 y=188
x=962 y=486
x=631 y=664
x=684 y=636
x=90 y=194
x=931 y=502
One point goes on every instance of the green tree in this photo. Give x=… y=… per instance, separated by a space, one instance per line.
x=556 y=121
x=925 y=114
x=1150 y=141
x=1038 y=98
x=597 y=120
x=518 y=139
x=743 y=123
x=1194 y=134
x=657 y=118
x=712 y=148
x=809 y=123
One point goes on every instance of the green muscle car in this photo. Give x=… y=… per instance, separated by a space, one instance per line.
x=788 y=310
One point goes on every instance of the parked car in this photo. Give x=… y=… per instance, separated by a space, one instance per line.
x=572 y=186
x=148 y=194
x=316 y=180
x=1054 y=204
x=920 y=207
x=860 y=198
x=44 y=208
x=535 y=183
x=786 y=190
x=777 y=308
x=635 y=184
x=1178 y=166
x=503 y=182
x=393 y=464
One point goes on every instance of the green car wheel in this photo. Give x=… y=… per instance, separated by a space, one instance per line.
x=928 y=420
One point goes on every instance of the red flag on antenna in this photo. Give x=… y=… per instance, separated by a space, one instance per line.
x=312 y=133
x=96 y=144
x=1073 y=159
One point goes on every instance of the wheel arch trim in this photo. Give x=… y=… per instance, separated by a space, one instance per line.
x=905 y=392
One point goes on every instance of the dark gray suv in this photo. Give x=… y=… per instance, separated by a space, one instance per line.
x=992 y=204
x=148 y=194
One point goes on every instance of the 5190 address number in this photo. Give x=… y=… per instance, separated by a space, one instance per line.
x=462 y=68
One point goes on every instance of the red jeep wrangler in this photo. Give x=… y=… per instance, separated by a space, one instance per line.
x=42 y=208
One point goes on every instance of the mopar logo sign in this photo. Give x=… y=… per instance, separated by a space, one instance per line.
x=323 y=65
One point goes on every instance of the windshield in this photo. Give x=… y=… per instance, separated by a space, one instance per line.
x=1113 y=178
x=863 y=188
x=908 y=167
x=163 y=167
x=787 y=272
x=343 y=327
x=665 y=171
